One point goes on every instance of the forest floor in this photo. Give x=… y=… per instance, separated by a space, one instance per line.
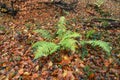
x=17 y=36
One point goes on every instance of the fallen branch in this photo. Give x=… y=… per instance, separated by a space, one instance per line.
x=62 y=4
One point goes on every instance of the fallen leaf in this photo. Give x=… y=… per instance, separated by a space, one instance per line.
x=26 y=73
x=110 y=60
x=82 y=65
x=65 y=60
x=50 y=64
x=106 y=63
x=91 y=76
x=12 y=73
x=68 y=75
x=35 y=75
x=21 y=71
x=44 y=73
x=37 y=67
x=65 y=73
x=2 y=77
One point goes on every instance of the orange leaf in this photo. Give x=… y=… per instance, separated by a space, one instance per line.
x=35 y=75
x=65 y=60
x=91 y=76
x=106 y=63
x=21 y=71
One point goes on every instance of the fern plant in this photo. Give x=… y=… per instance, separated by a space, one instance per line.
x=44 y=48
x=104 y=45
x=98 y=3
x=61 y=29
x=90 y=33
x=66 y=41
x=44 y=33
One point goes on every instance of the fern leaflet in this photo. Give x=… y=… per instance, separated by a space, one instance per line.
x=44 y=33
x=70 y=34
x=43 y=48
x=69 y=44
x=61 y=27
x=104 y=45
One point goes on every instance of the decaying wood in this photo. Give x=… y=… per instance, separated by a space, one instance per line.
x=9 y=10
x=63 y=4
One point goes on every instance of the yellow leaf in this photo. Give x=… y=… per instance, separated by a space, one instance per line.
x=37 y=68
x=65 y=73
x=26 y=73
x=50 y=64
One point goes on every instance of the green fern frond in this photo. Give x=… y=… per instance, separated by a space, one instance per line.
x=70 y=34
x=60 y=32
x=61 y=26
x=99 y=2
x=43 y=48
x=104 y=45
x=44 y=33
x=62 y=21
x=69 y=44
x=90 y=33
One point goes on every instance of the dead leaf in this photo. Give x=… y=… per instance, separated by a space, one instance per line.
x=65 y=60
x=106 y=63
x=65 y=73
x=26 y=73
x=35 y=75
x=110 y=60
x=91 y=76
x=2 y=77
x=44 y=73
x=82 y=65
x=21 y=71
x=50 y=64
x=37 y=67
x=68 y=75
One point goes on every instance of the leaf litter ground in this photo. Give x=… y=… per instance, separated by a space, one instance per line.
x=17 y=36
